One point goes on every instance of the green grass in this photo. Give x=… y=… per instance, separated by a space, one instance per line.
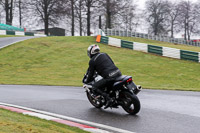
x=11 y=122
x=159 y=43
x=63 y=61
x=1 y=36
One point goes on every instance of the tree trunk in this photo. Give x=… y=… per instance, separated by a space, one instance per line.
x=156 y=29
x=72 y=6
x=80 y=17
x=11 y=12
x=185 y=30
x=46 y=26
x=20 y=14
x=172 y=29
x=46 y=18
x=99 y=22
x=108 y=19
x=80 y=26
x=88 y=20
x=188 y=32
x=7 y=11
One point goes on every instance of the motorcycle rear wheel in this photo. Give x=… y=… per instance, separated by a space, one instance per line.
x=131 y=103
x=94 y=102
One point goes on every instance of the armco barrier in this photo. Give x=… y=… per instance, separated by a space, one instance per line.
x=189 y=55
x=171 y=52
x=29 y=34
x=114 y=42
x=39 y=35
x=199 y=56
x=140 y=47
x=104 y=39
x=2 y=32
x=10 y=32
x=155 y=49
x=126 y=44
x=163 y=51
x=20 y=33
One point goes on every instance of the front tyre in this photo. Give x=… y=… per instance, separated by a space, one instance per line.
x=131 y=103
x=95 y=102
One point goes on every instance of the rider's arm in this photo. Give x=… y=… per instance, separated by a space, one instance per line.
x=90 y=71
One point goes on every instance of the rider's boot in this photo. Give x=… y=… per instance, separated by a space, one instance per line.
x=109 y=100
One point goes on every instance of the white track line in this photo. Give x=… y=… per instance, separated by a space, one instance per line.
x=52 y=115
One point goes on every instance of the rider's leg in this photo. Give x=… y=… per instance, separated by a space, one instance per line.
x=97 y=88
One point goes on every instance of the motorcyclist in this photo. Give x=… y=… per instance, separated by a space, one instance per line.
x=104 y=66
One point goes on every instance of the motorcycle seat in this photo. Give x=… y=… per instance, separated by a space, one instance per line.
x=120 y=78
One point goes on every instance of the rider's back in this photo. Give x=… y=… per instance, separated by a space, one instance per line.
x=103 y=64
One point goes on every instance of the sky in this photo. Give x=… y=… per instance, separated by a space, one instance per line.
x=141 y=3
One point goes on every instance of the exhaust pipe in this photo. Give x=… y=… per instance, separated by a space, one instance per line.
x=137 y=89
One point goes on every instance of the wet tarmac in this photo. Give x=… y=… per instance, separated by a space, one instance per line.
x=162 y=111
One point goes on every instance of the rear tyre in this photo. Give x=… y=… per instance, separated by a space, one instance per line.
x=131 y=103
x=93 y=101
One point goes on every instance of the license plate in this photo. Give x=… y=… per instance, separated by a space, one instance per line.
x=131 y=86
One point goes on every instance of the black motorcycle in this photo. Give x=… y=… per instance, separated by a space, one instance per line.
x=123 y=91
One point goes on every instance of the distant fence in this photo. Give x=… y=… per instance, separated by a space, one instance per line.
x=9 y=27
x=158 y=50
x=113 y=32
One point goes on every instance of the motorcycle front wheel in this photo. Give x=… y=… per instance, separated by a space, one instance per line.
x=131 y=103
x=93 y=101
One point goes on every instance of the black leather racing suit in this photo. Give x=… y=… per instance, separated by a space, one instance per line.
x=105 y=67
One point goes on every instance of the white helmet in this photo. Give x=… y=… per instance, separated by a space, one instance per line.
x=92 y=50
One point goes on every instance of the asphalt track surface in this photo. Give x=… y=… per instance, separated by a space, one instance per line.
x=6 y=41
x=162 y=111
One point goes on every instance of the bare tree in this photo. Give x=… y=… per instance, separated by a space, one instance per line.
x=197 y=9
x=128 y=15
x=119 y=14
x=79 y=8
x=49 y=11
x=73 y=16
x=8 y=7
x=20 y=12
x=157 y=15
x=112 y=8
x=108 y=13
x=188 y=19
x=174 y=15
x=22 y=8
x=89 y=5
x=1 y=13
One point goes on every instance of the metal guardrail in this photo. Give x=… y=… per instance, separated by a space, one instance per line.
x=113 y=32
x=147 y=48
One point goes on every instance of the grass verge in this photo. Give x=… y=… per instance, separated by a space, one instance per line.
x=11 y=122
x=1 y=36
x=63 y=61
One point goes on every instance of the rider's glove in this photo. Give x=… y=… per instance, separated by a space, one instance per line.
x=84 y=78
